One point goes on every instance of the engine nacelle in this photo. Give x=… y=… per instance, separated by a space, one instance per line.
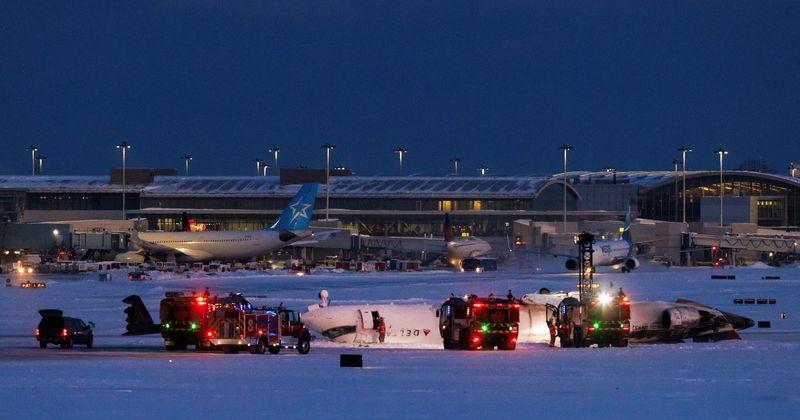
x=571 y=264
x=680 y=319
x=631 y=263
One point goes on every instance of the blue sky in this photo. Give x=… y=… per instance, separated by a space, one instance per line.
x=496 y=83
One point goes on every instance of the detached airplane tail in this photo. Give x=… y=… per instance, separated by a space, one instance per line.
x=297 y=215
x=139 y=321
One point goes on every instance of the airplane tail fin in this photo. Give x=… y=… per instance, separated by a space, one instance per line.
x=626 y=231
x=297 y=215
x=139 y=321
x=448 y=229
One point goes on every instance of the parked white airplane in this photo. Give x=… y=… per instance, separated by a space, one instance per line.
x=612 y=252
x=455 y=249
x=419 y=324
x=291 y=228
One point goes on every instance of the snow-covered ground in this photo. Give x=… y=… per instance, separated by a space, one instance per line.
x=132 y=377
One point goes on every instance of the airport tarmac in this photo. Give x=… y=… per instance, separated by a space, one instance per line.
x=754 y=377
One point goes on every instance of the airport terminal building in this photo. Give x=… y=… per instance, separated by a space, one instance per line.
x=403 y=205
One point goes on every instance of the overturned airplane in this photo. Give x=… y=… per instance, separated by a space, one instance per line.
x=651 y=322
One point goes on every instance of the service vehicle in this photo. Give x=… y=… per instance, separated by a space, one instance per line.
x=479 y=264
x=182 y=318
x=232 y=325
x=475 y=323
x=138 y=276
x=55 y=328
x=294 y=333
x=599 y=317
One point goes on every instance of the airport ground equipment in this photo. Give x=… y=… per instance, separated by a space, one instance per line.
x=56 y=328
x=598 y=317
x=228 y=323
x=232 y=326
x=182 y=317
x=474 y=323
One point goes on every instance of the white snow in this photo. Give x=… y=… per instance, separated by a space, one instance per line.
x=131 y=377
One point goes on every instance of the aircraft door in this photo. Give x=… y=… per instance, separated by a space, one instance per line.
x=369 y=319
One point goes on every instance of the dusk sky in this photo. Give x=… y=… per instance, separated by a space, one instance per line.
x=496 y=83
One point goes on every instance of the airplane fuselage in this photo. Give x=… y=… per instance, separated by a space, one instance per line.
x=651 y=321
x=610 y=252
x=216 y=245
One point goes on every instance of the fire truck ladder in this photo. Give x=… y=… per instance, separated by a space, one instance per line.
x=586 y=273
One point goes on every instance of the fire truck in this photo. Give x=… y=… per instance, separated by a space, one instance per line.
x=601 y=318
x=232 y=325
x=182 y=317
x=294 y=333
x=475 y=323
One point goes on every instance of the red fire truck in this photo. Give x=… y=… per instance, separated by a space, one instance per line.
x=294 y=333
x=477 y=323
x=232 y=325
x=182 y=316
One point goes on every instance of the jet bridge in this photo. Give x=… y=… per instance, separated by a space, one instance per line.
x=776 y=244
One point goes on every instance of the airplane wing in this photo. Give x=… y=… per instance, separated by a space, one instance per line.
x=317 y=237
x=552 y=254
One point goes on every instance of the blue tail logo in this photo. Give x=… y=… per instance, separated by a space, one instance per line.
x=297 y=215
x=626 y=231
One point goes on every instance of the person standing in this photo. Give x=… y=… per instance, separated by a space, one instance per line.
x=551 y=325
x=381 y=330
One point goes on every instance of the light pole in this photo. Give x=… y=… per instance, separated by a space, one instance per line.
x=721 y=152
x=566 y=148
x=455 y=161
x=124 y=146
x=266 y=166
x=684 y=150
x=258 y=166
x=483 y=169
x=400 y=152
x=41 y=160
x=675 y=164
x=328 y=147
x=32 y=148
x=275 y=150
x=186 y=158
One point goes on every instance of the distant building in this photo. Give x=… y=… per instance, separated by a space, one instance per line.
x=400 y=205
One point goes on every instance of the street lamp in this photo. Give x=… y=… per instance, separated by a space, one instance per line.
x=566 y=148
x=275 y=150
x=675 y=164
x=258 y=165
x=721 y=152
x=186 y=158
x=33 y=150
x=328 y=147
x=41 y=159
x=455 y=161
x=124 y=146
x=483 y=169
x=266 y=166
x=684 y=150
x=400 y=152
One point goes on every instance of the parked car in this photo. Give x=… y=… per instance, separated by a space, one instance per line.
x=138 y=276
x=55 y=328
